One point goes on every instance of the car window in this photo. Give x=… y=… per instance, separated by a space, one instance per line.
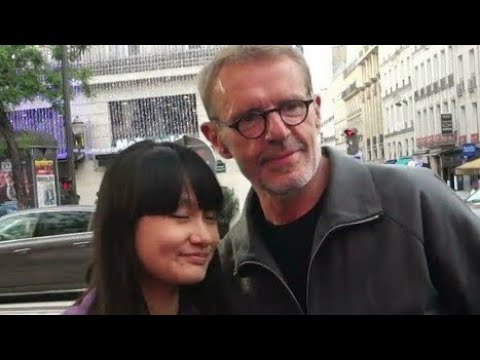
x=21 y=226
x=61 y=223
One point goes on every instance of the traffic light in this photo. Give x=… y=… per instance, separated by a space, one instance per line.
x=66 y=185
x=349 y=133
x=352 y=140
x=67 y=197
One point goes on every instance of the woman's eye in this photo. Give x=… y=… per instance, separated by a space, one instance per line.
x=211 y=216
x=179 y=216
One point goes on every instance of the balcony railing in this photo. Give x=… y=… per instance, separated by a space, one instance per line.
x=472 y=83
x=450 y=80
x=350 y=91
x=140 y=63
x=460 y=87
x=443 y=83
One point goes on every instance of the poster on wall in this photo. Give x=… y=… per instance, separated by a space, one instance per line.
x=45 y=178
x=8 y=196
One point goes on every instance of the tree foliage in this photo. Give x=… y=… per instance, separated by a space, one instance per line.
x=28 y=73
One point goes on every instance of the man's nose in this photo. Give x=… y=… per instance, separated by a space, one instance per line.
x=276 y=128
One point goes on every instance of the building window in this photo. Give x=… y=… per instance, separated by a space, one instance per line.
x=431 y=122
x=450 y=59
x=429 y=72
x=422 y=74
x=437 y=120
x=133 y=50
x=122 y=51
x=417 y=79
x=443 y=64
x=158 y=117
x=117 y=51
x=436 y=74
x=402 y=73
x=425 y=123
x=475 y=118
x=471 y=55
x=463 y=119
x=412 y=111
x=454 y=115
x=460 y=67
x=419 y=124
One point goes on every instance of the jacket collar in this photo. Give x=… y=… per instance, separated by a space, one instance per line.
x=350 y=197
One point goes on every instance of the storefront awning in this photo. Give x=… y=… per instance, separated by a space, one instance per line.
x=471 y=167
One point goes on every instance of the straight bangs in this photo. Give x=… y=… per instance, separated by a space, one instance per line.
x=165 y=173
x=158 y=183
x=200 y=178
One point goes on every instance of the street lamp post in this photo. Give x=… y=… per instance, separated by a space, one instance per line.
x=67 y=117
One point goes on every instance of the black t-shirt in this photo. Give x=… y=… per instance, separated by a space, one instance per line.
x=290 y=246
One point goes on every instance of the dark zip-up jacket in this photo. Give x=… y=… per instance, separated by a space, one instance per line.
x=389 y=240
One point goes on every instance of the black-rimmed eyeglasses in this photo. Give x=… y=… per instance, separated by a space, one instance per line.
x=253 y=125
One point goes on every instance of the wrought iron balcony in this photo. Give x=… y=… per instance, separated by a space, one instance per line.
x=151 y=62
x=472 y=83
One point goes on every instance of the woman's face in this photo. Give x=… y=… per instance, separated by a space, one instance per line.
x=177 y=248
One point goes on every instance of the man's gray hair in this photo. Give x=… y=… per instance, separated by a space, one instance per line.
x=233 y=54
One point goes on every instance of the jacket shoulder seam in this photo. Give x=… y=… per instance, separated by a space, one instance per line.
x=404 y=227
x=387 y=213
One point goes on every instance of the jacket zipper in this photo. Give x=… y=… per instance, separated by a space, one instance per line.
x=279 y=278
x=322 y=241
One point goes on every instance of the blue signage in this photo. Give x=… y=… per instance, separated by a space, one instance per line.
x=469 y=150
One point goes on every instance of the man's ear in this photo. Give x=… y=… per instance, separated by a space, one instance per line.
x=211 y=132
x=317 y=105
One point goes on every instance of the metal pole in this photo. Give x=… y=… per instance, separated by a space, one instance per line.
x=67 y=117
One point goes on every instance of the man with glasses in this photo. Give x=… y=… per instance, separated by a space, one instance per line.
x=322 y=233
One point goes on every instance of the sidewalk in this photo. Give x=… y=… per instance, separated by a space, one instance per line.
x=462 y=194
x=35 y=308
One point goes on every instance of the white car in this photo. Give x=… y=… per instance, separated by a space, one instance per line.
x=473 y=201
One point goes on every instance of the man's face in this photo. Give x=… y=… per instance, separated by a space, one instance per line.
x=285 y=158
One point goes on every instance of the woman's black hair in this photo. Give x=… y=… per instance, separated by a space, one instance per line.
x=148 y=178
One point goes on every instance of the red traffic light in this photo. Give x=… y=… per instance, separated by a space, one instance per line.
x=349 y=132
x=66 y=185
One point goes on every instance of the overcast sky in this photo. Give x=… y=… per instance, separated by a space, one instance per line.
x=319 y=57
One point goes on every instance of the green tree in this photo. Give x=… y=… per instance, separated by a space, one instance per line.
x=25 y=74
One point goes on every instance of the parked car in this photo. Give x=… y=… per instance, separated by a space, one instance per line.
x=45 y=250
x=406 y=161
x=473 y=201
x=8 y=207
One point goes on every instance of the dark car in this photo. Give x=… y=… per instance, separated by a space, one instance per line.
x=45 y=251
x=8 y=207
